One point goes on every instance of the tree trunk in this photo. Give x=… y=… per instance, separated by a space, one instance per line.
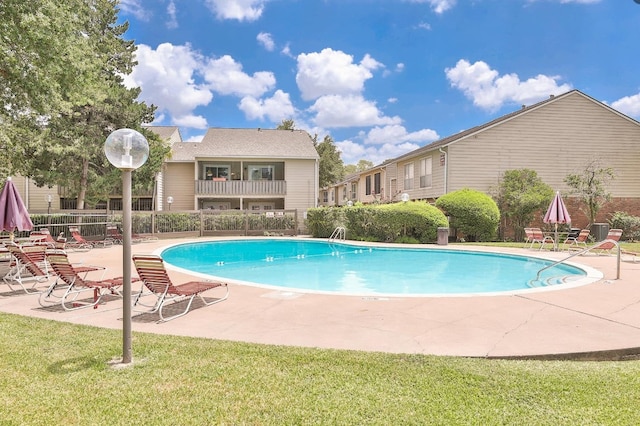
x=83 y=184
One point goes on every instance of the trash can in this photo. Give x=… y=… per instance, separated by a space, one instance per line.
x=443 y=236
x=600 y=231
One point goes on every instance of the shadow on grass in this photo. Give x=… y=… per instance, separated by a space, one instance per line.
x=74 y=364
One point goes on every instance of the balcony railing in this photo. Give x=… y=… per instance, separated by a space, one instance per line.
x=241 y=187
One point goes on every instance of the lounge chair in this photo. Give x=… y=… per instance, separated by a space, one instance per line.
x=72 y=282
x=48 y=239
x=153 y=274
x=535 y=235
x=28 y=264
x=605 y=246
x=81 y=241
x=114 y=233
x=576 y=242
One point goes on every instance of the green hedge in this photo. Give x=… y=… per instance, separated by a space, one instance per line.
x=630 y=225
x=472 y=213
x=399 y=222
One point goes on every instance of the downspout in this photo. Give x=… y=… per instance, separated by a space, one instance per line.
x=446 y=168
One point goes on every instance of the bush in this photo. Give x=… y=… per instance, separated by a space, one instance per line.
x=399 y=222
x=472 y=213
x=630 y=225
x=321 y=221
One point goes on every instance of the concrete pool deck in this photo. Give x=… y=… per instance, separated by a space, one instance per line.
x=594 y=321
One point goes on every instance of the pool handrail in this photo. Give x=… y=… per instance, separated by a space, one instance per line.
x=583 y=251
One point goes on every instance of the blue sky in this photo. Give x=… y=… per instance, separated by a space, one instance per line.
x=381 y=77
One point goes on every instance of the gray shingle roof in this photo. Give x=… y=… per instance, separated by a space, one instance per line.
x=165 y=132
x=248 y=143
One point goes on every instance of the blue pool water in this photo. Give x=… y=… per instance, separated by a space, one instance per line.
x=354 y=269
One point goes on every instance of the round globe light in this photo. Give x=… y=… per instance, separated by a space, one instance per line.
x=126 y=149
x=404 y=197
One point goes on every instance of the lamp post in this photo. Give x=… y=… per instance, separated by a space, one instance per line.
x=169 y=201
x=49 y=200
x=127 y=150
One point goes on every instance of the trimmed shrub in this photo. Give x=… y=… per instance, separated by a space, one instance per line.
x=472 y=213
x=630 y=225
x=417 y=220
x=321 y=221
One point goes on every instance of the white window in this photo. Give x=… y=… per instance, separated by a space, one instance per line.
x=216 y=171
x=408 y=176
x=260 y=172
x=426 y=173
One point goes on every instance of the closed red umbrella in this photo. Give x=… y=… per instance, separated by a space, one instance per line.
x=557 y=213
x=13 y=213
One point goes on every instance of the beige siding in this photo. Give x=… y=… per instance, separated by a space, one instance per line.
x=555 y=140
x=301 y=184
x=179 y=183
x=437 y=177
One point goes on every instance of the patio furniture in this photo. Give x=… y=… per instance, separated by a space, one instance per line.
x=576 y=242
x=28 y=264
x=72 y=282
x=153 y=274
x=80 y=240
x=608 y=244
x=537 y=236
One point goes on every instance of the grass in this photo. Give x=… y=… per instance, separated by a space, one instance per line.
x=58 y=373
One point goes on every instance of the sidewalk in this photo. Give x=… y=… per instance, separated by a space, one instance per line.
x=595 y=321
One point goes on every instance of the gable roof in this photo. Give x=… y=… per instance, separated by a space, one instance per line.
x=165 y=132
x=524 y=110
x=248 y=143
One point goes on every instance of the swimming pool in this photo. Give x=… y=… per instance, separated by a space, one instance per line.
x=357 y=269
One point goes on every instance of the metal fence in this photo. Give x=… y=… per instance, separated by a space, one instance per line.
x=168 y=224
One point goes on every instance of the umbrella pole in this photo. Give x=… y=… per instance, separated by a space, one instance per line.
x=555 y=240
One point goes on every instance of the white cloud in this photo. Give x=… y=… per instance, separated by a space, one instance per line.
x=490 y=91
x=225 y=76
x=134 y=7
x=348 y=111
x=397 y=134
x=166 y=77
x=332 y=72
x=192 y=121
x=438 y=6
x=241 y=10
x=195 y=138
x=352 y=152
x=172 y=23
x=275 y=109
x=629 y=105
x=266 y=40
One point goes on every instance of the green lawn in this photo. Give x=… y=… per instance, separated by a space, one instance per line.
x=56 y=373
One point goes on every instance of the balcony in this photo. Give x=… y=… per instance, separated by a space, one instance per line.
x=229 y=188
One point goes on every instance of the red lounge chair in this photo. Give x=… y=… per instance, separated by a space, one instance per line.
x=608 y=244
x=27 y=264
x=578 y=241
x=72 y=282
x=154 y=277
x=535 y=235
x=83 y=243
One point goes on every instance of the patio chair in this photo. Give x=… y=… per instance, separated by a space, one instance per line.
x=576 y=242
x=57 y=244
x=72 y=282
x=605 y=246
x=28 y=264
x=81 y=241
x=114 y=233
x=153 y=274
x=537 y=236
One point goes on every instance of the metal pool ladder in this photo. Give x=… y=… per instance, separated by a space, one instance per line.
x=586 y=250
x=338 y=234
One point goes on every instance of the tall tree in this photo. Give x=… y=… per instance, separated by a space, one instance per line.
x=331 y=168
x=357 y=168
x=521 y=193
x=591 y=187
x=66 y=147
x=287 y=124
